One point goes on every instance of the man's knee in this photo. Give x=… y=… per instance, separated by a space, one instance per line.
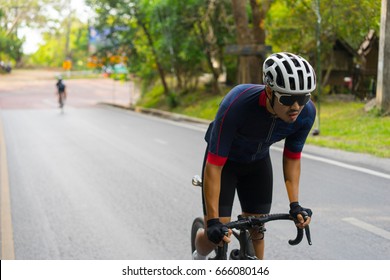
x=257 y=233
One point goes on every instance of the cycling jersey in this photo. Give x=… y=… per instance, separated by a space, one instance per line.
x=61 y=87
x=243 y=129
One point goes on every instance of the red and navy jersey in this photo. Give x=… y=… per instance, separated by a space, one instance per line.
x=243 y=129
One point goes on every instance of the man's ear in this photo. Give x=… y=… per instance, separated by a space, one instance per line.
x=268 y=80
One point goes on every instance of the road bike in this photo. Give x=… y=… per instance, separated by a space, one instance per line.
x=241 y=231
x=61 y=101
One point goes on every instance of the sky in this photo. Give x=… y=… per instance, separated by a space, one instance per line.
x=33 y=36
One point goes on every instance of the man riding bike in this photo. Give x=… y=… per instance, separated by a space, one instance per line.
x=61 y=91
x=249 y=120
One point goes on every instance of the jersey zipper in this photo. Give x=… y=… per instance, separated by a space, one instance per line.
x=258 y=151
x=271 y=130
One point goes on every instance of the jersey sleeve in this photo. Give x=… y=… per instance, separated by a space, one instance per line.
x=294 y=143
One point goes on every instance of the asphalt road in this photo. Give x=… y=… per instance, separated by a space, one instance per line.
x=98 y=182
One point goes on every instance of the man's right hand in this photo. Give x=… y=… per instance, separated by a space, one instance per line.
x=216 y=231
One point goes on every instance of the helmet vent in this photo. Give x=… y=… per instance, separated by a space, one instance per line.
x=309 y=82
x=269 y=62
x=301 y=81
x=279 y=77
x=288 y=67
x=292 y=83
x=296 y=63
x=306 y=67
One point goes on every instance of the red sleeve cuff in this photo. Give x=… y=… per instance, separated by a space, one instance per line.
x=292 y=155
x=215 y=159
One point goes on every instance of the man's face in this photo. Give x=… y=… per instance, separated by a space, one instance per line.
x=288 y=114
x=288 y=107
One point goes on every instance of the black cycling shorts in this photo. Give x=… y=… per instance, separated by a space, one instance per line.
x=253 y=182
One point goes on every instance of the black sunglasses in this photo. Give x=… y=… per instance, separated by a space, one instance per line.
x=289 y=100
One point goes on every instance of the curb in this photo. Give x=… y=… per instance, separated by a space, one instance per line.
x=160 y=113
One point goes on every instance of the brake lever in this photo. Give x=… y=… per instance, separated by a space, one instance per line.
x=307 y=229
x=307 y=233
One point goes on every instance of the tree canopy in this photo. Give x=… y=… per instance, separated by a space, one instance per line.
x=20 y=14
x=185 y=39
x=180 y=42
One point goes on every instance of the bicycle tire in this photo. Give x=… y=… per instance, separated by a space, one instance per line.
x=197 y=224
x=234 y=255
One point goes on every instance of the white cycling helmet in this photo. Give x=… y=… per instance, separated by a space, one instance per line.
x=289 y=73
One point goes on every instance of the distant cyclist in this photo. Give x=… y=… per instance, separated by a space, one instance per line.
x=250 y=118
x=61 y=91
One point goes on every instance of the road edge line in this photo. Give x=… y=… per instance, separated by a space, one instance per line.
x=368 y=227
x=340 y=164
x=7 y=240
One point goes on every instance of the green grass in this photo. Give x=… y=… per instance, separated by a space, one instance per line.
x=199 y=106
x=343 y=125
x=346 y=126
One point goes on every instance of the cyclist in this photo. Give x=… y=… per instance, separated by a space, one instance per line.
x=249 y=120
x=61 y=91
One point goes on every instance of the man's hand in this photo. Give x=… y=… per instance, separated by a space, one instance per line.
x=302 y=216
x=217 y=232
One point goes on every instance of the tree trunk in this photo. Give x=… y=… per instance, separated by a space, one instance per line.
x=243 y=38
x=383 y=82
x=206 y=46
x=159 y=67
x=259 y=34
x=250 y=67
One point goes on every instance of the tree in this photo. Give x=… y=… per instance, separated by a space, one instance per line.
x=142 y=21
x=291 y=25
x=175 y=38
x=177 y=41
x=136 y=14
x=383 y=85
x=16 y=14
x=53 y=50
x=250 y=32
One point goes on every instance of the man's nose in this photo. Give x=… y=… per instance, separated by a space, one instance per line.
x=295 y=106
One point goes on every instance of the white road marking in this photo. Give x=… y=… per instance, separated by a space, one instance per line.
x=344 y=165
x=368 y=227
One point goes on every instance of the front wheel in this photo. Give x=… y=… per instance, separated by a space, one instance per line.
x=234 y=254
x=197 y=225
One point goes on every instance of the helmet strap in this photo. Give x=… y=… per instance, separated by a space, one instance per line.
x=272 y=102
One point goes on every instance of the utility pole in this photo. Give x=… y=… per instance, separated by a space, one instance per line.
x=316 y=131
x=383 y=81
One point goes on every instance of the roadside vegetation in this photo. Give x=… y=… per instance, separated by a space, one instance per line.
x=347 y=126
x=344 y=124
